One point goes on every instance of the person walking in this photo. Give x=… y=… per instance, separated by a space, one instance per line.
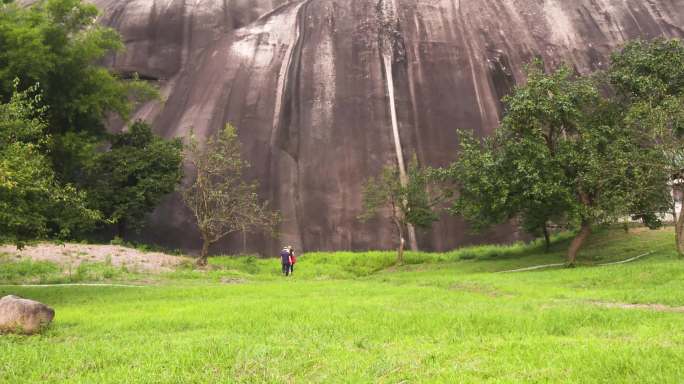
x=293 y=259
x=285 y=260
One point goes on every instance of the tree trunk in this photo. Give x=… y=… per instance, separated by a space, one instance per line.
x=402 y=241
x=400 y=251
x=121 y=228
x=413 y=239
x=244 y=241
x=547 y=238
x=578 y=241
x=679 y=232
x=202 y=261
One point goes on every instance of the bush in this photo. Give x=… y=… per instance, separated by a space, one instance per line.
x=97 y=272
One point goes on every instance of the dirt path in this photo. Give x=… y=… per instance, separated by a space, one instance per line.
x=75 y=285
x=76 y=254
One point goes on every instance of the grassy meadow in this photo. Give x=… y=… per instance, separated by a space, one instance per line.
x=357 y=318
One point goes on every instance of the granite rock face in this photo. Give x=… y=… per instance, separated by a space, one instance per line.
x=310 y=84
x=23 y=316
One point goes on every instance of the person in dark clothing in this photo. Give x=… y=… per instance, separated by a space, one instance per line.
x=285 y=260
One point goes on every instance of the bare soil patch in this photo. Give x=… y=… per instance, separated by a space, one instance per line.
x=651 y=307
x=479 y=289
x=233 y=280
x=75 y=254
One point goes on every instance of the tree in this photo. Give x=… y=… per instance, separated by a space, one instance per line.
x=648 y=81
x=411 y=202
x=488 y=196
x=58 y=43
x=33 y=204
x=127 y=181
x=561 y=147
x=219 y=197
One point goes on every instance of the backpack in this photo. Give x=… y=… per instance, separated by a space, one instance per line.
x=293 y=259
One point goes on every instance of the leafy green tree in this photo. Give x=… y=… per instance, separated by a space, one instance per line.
x=648 y=81
x=562 y=147
x=489 y=196
x=33 y=204
x=413 y=202
x=128 y=180
x=59 y=44
x=219 y=197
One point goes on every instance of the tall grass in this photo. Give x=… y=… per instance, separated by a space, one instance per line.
x=27 y=271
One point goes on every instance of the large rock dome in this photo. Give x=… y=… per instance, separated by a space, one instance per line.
x=313 y=86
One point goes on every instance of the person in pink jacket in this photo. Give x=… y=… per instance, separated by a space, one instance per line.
x=293 y=259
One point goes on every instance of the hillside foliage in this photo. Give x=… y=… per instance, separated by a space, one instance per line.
x=62 y=174
x=581 y=150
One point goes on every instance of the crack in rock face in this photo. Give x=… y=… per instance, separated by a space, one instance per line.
x=306 y=85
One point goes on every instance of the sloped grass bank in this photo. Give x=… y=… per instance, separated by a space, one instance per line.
x=606 y=245
x=349 y=265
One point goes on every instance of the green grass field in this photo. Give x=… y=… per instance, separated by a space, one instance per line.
x=356 y=318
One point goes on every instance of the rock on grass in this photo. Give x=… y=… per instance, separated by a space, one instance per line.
x=23 y=316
